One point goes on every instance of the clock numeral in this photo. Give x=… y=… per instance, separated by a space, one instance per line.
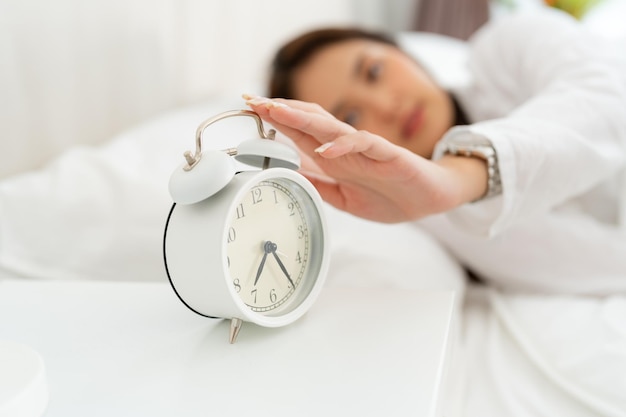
x=232 y=235
x=301 y=231
x=240 y=212
x=292 y=209
x=273 y=296
x=237 y=285
x=275 y=197
x=299 y=258
x=253 y=293
x=256 y=195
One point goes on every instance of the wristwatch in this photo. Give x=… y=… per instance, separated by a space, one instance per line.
x=486 y=153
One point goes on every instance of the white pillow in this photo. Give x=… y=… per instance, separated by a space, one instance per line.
x=444 y=57
x=399 y=256
x=99 y=212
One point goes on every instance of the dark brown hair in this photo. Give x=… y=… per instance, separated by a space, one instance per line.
x=296 y=52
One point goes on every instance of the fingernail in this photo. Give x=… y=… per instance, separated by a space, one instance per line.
x=324 y=147
x=271 y=104
x=257 y=100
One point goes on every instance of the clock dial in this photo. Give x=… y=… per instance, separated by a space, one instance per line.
x=270 y=245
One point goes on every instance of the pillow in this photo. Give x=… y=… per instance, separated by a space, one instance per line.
x=378 y=255
x=99 y=213
x=444 y=57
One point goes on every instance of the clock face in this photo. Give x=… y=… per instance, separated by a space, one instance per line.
x=274 y=246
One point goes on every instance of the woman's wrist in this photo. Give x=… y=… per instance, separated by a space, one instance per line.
x=469 y=176
x=483 y=152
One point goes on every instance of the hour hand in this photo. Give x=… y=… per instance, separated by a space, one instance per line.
x=258 y=271
x=268 y=247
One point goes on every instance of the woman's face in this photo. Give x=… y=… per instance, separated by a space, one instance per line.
x=377 y=87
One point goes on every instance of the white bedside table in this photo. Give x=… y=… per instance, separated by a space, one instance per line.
x=132 y=349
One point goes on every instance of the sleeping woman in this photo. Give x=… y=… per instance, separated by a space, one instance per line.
x=521 y=174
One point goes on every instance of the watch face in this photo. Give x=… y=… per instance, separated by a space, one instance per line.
x=274 y=246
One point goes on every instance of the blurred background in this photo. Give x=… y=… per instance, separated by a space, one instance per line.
x=78 y=72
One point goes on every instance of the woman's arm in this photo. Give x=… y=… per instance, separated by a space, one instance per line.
x=367 y=175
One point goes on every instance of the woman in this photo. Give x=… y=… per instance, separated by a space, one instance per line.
x=530 y=195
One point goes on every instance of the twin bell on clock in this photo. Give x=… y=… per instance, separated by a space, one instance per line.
x=249 y=245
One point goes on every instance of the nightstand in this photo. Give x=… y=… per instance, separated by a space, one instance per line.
x=132 y=349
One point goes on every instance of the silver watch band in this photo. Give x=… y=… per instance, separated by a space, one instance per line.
x=487 y=153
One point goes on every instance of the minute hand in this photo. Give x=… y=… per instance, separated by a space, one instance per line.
x=282 y=267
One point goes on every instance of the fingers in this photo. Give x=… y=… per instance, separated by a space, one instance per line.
x=263 y=107
x=317 y=132
x=302 y=105
x=299 y=120
x=360 y=142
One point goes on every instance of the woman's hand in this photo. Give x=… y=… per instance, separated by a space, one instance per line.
x=365 y=174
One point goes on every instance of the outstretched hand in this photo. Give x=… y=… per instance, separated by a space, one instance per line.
x=362 y=173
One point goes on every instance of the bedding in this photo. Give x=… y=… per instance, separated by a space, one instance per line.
x=98 y=212
x=526 y=355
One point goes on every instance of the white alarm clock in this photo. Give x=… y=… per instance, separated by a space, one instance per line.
x=250 y=245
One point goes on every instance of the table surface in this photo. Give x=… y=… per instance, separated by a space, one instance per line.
x=132 y=349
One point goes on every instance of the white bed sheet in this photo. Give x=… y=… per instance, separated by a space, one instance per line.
x=535 y=355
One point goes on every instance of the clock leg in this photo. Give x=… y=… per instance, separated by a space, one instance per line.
x=235 y=326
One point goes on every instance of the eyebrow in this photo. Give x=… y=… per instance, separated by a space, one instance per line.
x=356 y=71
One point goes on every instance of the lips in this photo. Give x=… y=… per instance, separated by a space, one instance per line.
x=413 y=122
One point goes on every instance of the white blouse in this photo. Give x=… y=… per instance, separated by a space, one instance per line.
x=551 y=99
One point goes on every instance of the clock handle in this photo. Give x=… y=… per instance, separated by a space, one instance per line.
x=192 y=160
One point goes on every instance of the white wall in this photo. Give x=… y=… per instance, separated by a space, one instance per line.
x=386 y=15
x=76 y=71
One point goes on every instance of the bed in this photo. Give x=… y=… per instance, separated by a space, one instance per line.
x=86 y=157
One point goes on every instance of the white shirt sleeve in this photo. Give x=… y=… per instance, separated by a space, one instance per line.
x=550 y=99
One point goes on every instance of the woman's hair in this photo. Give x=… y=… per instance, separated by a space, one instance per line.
x=296 y=52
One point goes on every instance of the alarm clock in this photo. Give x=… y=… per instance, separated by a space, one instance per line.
x=249 y=245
